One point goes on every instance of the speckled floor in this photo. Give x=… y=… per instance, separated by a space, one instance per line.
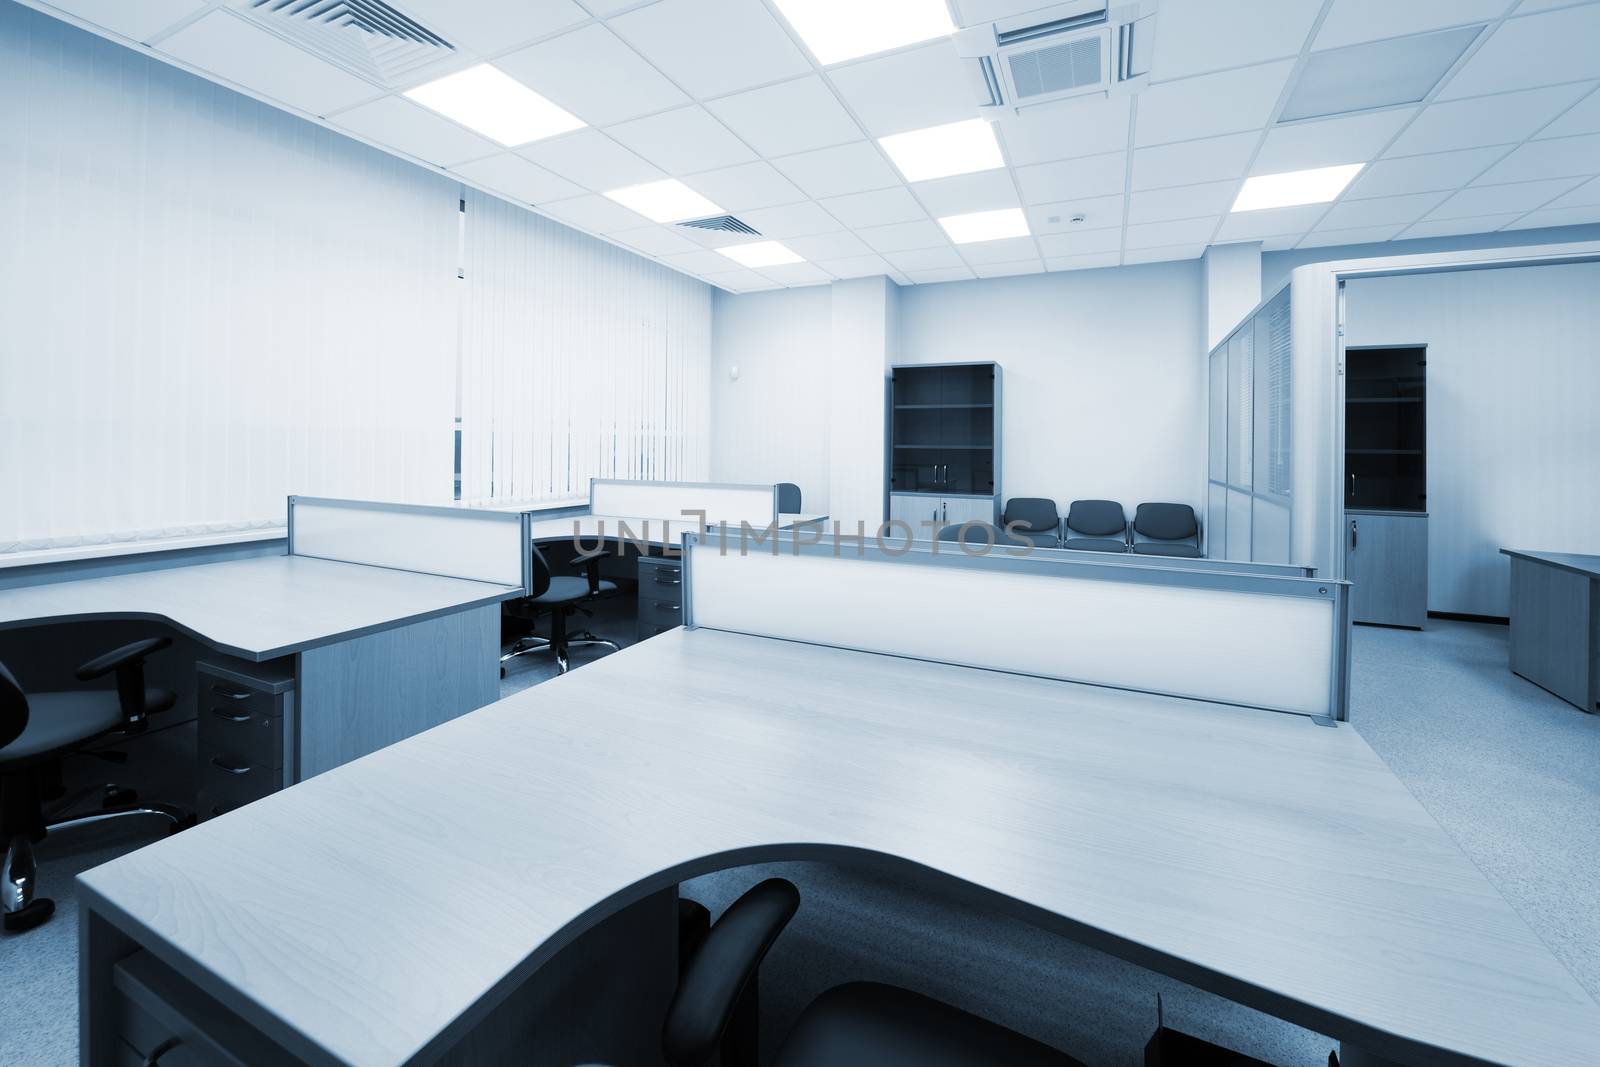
x=1511 y=772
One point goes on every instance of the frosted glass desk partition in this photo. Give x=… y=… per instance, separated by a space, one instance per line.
x=481 y=545
x=721 y=503
x=1263 y=641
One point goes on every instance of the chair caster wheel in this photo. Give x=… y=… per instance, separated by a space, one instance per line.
x=119 y=799
x=29 y=915
x=183 y=824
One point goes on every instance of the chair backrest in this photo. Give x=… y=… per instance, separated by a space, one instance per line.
x=1097 y=518
x=1166 y=522
x=974 y=532
x=539 y=573
x=788 y=498
x=13 y=708
x=1035 y=514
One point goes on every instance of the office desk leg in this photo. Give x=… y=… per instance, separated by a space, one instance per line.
x=1553 y=615
x=100 y=946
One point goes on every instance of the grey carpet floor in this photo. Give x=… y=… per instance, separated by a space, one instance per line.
x=1509 y=771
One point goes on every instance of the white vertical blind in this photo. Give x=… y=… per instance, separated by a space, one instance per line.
x=579 y=360
x=205 y=304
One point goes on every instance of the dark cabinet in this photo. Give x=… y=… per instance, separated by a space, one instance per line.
x=1385 y=429
x=944 y=429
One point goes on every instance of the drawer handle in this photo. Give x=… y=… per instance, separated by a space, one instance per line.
x=154 y=1059
x=668 y=581
x=225 y=713
x=245 y=769
x=231 y=694
x=667 y=605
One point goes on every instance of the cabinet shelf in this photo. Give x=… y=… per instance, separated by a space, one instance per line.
x=944 y=407
x=1383 y=400
x=947 y=448
x=1383 y=451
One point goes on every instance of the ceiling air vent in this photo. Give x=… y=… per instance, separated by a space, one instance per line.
x=365 y=37
x=724 y=224
x=1065 y=51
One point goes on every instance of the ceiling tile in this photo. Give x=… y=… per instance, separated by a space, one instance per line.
x=683 y=141
x=1099 y=213
x=712 y=47
x=1504 y=118
x=594 y=75
x=398 y=123
x=749 y=185
x=1329 y=142
x=791 y=117
x=700 y=261
x=791 y=220
x=1361 y=235
x=1561 y=158
x=1584 y=195
x=1067 y=179
x=1008 y=270
x=740 y=281
x=1183 y=202
x=1196 y=37
x=1055 y=245
x=1157 y=234
x=228 y=46
x=1193 y=162
x=904 y=236
x=593 y=160
x=797 y=274
x=718 y=238
x=1006 y=251
x=1544 y=49
x=517 y=178
x=818 y=247
x=595 y=214
x=1354 y=21
x=1100 y=259
x=1085 y=127
x=1209 y=105
x=1164 y=254
x=1529 y=6
x=987 y=190
x=1454 y=227
x=1421 y=174
x=856 y=266
x=140 y=21
x=1279 y=243
x=1566 y=216
x=603 y=8
x=926 y=259
x=933 y=277
x=1391 y=211
x=490 y=26
x=1500 y=199
x=1583 y=118
x=878 y=208
x=927 y=86
x=656 y=241
x=851 y=168
x=1252 y=225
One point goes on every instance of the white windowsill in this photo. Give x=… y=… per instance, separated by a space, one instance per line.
x=132 y=548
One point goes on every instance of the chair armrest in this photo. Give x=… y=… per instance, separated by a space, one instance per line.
x=727 y=960
x=590 y=561
x=118 y=658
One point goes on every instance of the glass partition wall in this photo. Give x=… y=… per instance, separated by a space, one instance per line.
x=1248 y=466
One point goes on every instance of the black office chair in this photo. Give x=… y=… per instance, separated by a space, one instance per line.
x=857 y=1023
x=980 y=535
x=1096 y=526
x=561 y=596
x=1166 y=530
x=38 y=729
x=788 y=498
x=1034 y=518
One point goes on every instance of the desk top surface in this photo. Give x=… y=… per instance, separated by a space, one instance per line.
x=1261 y=855
x=1567 y=561
x=259 y=608
x=660 y=531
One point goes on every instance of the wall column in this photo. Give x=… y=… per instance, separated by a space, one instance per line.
x=864 y=338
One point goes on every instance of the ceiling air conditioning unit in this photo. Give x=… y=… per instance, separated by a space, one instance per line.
x=1060 y=52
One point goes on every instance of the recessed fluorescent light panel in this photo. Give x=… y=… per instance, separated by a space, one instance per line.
x=761 y=254
x=665 y=201
x=492 y=102
x=1295 y=187
x=985 y=225
x=837 y=30
x=941 y=151
x=1389 y=73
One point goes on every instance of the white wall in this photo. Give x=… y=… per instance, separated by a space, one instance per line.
x=1513 y=430
x=1103 y=376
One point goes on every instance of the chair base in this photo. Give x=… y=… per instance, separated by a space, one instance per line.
x=529 y=645
x=32 y=914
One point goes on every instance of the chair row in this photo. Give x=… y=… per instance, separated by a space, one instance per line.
x=1090 y=526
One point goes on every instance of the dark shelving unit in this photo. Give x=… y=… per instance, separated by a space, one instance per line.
x=1385 y=429
x=943 y=429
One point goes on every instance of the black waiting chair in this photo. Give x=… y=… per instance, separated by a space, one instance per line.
x=1166 y=530
x=1033 y=518
x=36 y=731
x=788 y=498
x=855 y=1023
x=982 y=535
x=560 y=596
x=1096 y=526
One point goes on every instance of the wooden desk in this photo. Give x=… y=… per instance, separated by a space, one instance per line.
x=381 y=913
x=1555 y=623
